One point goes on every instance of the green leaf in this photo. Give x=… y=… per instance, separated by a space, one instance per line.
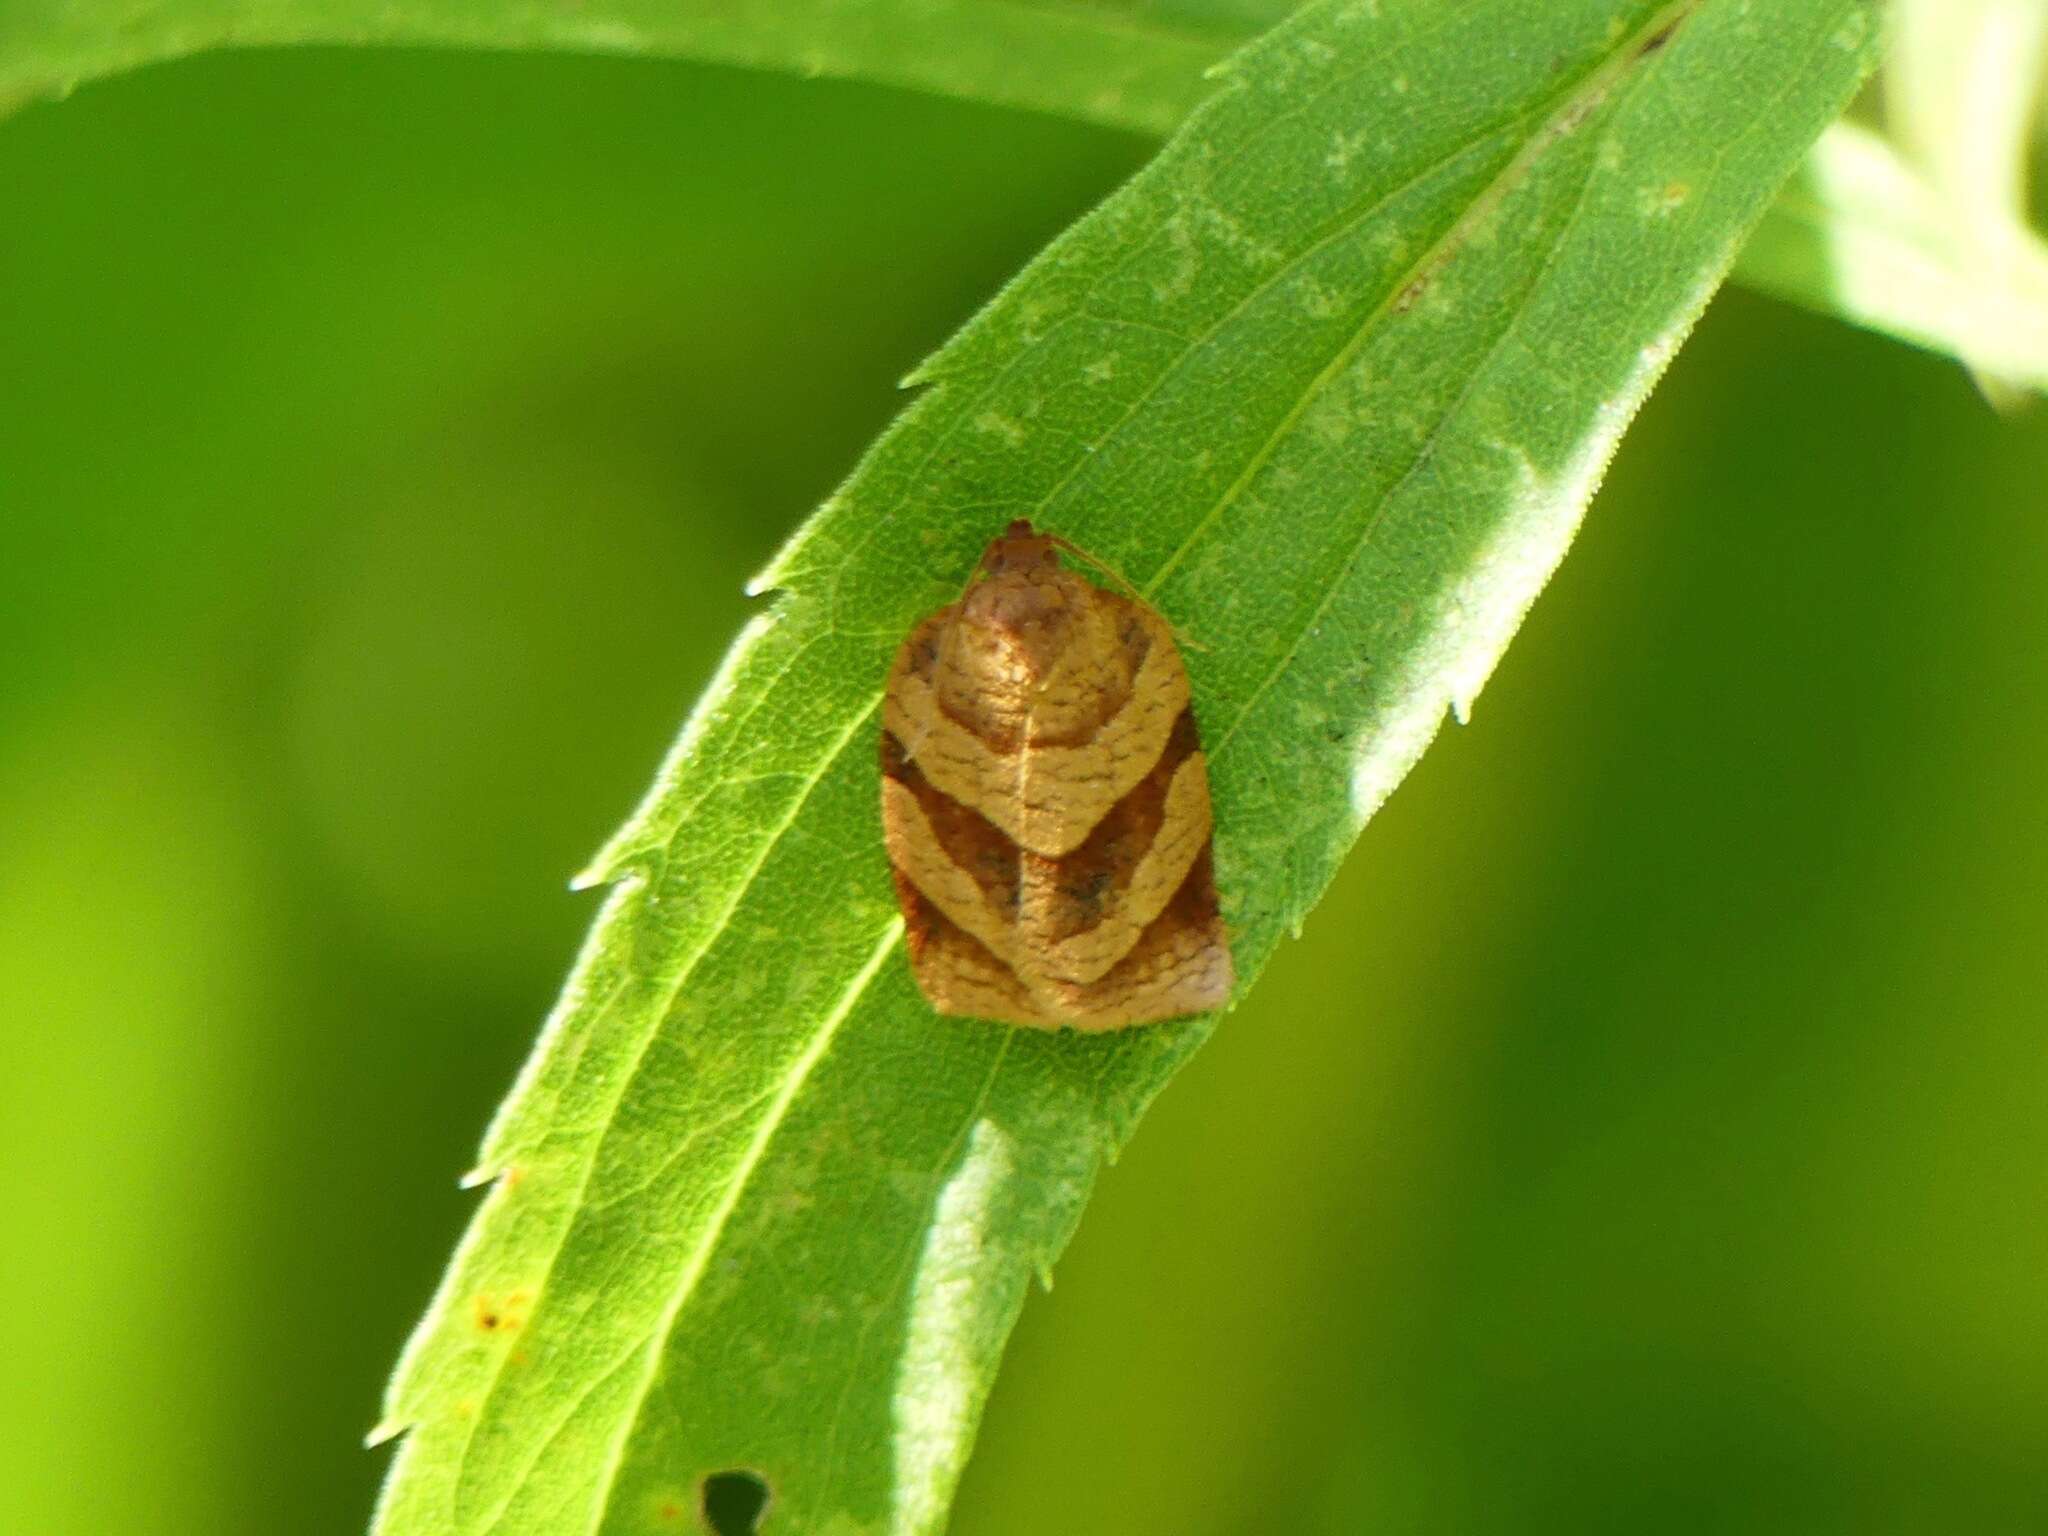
x=1137 y=65
x=1962 y=89
x=1859 y=234
x=1332 y=379
x=1930 y=245
x=1962 y=86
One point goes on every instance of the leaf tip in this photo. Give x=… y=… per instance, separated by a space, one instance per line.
x=384 y=1431
x=774 y=576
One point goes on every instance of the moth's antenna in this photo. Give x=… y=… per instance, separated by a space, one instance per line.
x=1097 y=561
x=1123 y=581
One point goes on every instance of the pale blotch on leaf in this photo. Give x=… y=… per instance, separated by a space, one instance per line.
x=1331 y=418
x=1345 y=147
x=1662 y=202
x=1034 y=313
x=996 y=424
x=935 y=1400
x=1318 y=300
x=1187 y=262
x=1229 y=232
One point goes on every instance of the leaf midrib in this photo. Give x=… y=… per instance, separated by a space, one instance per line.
x=1577 y=99
x=1584 y=98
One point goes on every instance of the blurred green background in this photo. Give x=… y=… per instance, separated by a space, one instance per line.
x=1648 y=1132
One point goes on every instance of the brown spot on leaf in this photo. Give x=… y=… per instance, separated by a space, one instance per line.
x=501 y=1311
x=1661 y=36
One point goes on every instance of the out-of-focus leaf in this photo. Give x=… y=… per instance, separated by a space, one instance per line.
x=1962 y=86
x=1135 y=66
x=1334 y=384
x=1859 y=234
x=1851 y=241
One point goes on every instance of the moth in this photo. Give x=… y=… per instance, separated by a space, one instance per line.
x=1045 y=804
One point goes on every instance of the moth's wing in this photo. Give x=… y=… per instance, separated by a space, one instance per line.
x=1178 y=957
x=1124 y=820
x=944 y=855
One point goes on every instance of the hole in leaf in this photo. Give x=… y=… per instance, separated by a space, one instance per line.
x=733 y=1502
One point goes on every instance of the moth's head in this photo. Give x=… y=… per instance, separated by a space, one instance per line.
x=1020 y=550
x=1018 y=617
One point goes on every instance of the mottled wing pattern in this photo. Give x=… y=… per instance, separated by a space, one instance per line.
x=1055 y=872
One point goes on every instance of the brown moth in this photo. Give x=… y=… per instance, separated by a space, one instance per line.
x=1046 y=804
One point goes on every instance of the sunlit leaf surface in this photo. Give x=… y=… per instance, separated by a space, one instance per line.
x=1332 y=380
